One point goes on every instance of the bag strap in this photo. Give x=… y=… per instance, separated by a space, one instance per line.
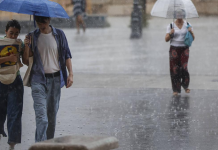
x=187 y=23
x=32 y=36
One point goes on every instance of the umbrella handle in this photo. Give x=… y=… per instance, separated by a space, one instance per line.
x=29 y=25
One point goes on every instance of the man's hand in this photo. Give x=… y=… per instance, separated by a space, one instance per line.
x=27 y=40
x=27 y=51
x=69 y=80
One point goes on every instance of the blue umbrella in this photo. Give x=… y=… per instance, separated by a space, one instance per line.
x=44 y=8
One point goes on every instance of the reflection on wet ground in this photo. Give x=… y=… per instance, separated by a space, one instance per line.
x=179 y=120
x=142 y=119
x=150 y=119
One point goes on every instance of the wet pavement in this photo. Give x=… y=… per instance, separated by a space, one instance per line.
x=122 y=89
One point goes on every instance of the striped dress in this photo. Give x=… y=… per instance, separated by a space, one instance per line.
x=79 y=7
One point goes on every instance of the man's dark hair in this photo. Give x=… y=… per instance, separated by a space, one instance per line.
x=14 y=24
x=41 y=19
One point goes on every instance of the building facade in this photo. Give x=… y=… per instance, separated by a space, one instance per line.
x=124 y=7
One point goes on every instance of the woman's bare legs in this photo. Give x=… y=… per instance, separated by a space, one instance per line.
x=77 y=25
x=79 y=21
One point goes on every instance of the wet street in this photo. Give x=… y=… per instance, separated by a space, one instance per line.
x=122 y=88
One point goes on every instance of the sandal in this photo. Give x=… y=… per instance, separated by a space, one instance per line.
x=175 y=93
x=187 y=90
x=11 y=146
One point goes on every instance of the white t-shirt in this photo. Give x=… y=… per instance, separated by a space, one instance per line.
x=48 y=51
x=179 y=34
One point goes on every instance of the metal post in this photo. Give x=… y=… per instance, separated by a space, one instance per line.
x=136 y=20
x=144 y=9
x=144 y=6
x=29 y=25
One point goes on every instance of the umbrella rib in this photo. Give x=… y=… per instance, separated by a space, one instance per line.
x=20 y=8
x=167 y=8
x=48 y=11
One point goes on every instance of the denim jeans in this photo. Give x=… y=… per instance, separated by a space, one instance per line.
x=46 y=104
x=11 y=106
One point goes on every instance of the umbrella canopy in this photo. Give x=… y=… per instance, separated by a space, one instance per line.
x=172 y=9
x=44 y=8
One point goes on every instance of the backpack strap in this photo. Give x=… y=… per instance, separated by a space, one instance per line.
x=172 y=35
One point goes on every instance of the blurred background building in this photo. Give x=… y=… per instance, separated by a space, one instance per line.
x=124 y=7
x=118 y=8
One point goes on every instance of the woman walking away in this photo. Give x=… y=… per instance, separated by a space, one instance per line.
x=79 y=9
x=179 y=52
x=11 y=95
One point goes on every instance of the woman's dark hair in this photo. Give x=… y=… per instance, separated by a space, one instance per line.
x=41 y=19
x=13 y=24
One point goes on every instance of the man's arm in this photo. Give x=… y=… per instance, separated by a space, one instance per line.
x=70 y=70
x=27 y=51
x=68 y=57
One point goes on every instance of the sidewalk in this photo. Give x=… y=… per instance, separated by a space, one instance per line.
x=122 y=88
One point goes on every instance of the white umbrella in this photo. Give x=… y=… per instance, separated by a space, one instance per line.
x=170 y=9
